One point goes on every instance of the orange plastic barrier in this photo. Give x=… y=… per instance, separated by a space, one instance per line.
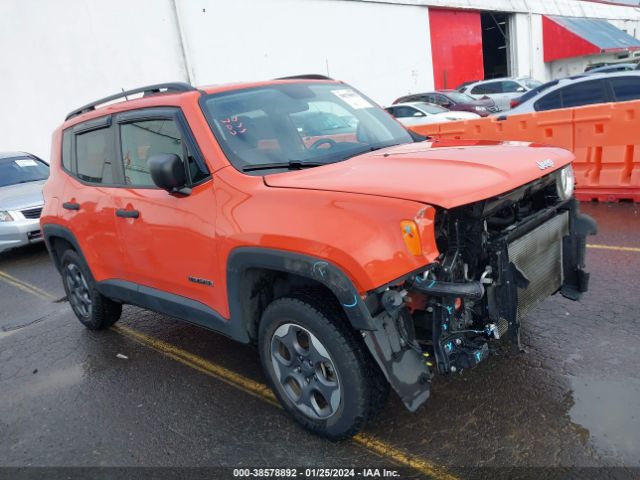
x=605 y=139
x=607 y=149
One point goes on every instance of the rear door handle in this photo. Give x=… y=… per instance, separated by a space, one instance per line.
x=71 y=206
x=125 y=213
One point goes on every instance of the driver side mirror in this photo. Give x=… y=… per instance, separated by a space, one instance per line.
x=167 y=172
x=418 y=114
x=521 y=90
x=446 y=104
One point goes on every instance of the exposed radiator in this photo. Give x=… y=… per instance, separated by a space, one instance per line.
x=538 y=255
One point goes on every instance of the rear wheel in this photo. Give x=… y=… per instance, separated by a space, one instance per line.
x=317 y=367
x=93 y=309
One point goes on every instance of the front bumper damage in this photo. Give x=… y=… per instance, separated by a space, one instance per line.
x=537 y=258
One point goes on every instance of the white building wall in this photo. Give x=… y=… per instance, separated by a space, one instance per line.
x=57 y=56
x=382 y=49
x=527 y=47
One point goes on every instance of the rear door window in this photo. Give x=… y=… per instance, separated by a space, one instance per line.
x=584 y=93
x=487 y=88
x=95 y=155
x=626 y=88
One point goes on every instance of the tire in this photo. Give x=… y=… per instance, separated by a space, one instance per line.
x=94 y=310
x=318 y=367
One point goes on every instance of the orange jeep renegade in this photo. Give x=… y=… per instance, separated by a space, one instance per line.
x=297 y=214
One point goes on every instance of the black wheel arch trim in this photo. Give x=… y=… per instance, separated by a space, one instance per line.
x=51 y=231
x=317 y=269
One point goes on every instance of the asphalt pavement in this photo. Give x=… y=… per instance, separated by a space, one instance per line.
x=154 y=392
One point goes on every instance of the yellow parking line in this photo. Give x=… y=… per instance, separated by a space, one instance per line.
x=613 y=247
x=194 y=361
x=25 y=287
x=263 y=392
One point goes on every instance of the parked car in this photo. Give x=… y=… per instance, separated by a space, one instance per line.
x=322 y=128
x=535 y=91
x=421 y=113
x=620 y=67
x=582 y=90
x=22 y=176
x=500 y=90
x=353 y=264
x=453 y=100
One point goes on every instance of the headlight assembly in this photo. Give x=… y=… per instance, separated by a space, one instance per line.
x=5 y=216
x=565 y=183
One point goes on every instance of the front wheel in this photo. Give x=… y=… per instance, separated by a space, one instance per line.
x=94 y=310
x=317 y=367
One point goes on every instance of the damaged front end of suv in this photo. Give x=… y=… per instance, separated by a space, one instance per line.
x=499 y=258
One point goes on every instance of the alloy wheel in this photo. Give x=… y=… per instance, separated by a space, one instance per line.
x=305 y=371
x=79 y=296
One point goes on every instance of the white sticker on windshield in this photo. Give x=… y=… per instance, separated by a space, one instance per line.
x=26 y=162
x=350 y=97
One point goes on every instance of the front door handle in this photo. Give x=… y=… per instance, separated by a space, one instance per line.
x=71 y=206
x=126 y=213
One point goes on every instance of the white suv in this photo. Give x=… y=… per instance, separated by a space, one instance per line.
x=500 y=90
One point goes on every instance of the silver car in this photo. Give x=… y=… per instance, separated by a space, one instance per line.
x=500 y=90
x=578 y=91
x=422 y=113
x=22 y=176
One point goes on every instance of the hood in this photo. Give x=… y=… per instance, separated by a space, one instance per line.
x=21 y=196
x=443 y=173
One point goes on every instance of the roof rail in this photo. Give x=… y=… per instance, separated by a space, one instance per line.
x=308 y=76
x=146 y=91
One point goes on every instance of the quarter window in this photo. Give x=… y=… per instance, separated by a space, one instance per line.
x=95 y=154
x=66 y=150
x=549 y=102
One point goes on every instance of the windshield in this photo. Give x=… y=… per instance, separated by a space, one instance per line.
x=460 y=97
x=431 y=108
x=307 y=123
x=22 y=170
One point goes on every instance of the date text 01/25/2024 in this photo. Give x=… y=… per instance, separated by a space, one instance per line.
x=315 y=473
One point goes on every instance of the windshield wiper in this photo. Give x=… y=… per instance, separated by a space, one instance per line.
x=291 y=165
